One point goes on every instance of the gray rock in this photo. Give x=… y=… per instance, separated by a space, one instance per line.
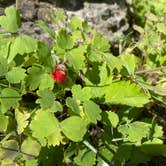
x=28 y=9
x=110 y=17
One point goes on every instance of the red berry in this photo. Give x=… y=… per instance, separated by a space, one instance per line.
x=59 y=75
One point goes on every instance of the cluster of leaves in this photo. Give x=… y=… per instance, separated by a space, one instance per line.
x=152 y=44
x=93 y=118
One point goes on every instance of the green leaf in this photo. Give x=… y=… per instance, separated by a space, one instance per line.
x=100 y=42
x=85 y=157
x=158 y=131
x=33 y=80
x=129 y=62
x=16 y=75
x=72 y=103
x=31 y=163
x=22 y=45
x=47 y=122
x=113 y=62
x=60 y=15
x=92 y=111
x=9 y=98
x=5 y=44
x=21 y=117
x=76 y=58
x=44 y=54
x=3 y=66
x=105 y=76
x=135 y=131
x=97 y=91
x=95 y=56
x=4 y=122
x=123 y=153
x=46 y=99
x=83 y=94
x=6 y=153
x=31 y=147
x=57 y=107
x=55 y=138
x=107 y=155
x=161 y=28
x=11 y=22
x=45 y=27
x=123 y=92
x=64 y=40
x=110 y=118
x=46 y=82
x=75 y=23
x=74 y=128
x=154 y=150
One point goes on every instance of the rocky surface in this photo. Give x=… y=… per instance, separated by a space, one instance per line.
x=110 y=17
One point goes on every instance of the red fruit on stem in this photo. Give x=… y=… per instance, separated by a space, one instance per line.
x=59 y=74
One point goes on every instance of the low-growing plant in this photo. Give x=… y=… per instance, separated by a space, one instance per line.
x=73 y=103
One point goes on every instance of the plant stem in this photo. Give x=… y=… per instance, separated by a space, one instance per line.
x=150 y=70
x=17 y=4
x=87 y=144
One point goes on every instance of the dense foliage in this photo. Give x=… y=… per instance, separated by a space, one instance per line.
x=95 y=115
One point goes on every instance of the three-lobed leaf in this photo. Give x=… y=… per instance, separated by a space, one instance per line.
x=135 y=131
x=44 y=126
x=11 y=21
x=16 y=75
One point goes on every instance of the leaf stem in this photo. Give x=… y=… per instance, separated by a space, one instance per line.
x=4 y=85
x=87 y=144
x=147 y=71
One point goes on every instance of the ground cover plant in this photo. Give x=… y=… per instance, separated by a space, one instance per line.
x=75 y=103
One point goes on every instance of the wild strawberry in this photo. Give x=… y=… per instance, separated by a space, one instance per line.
x=59 y=74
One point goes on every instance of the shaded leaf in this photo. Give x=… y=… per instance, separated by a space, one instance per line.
x=92 y=111
x=85 y=157
x=72 y=103
x=45 y=27
x=64 y=40
x=31 y=147
x=4 y=122
x=46 y=99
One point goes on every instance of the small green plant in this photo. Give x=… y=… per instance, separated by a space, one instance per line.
x=88 y=114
